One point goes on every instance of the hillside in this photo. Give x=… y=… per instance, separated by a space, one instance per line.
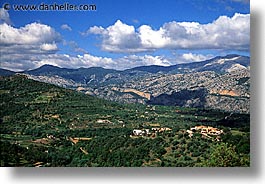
x=229 y=91
x=225 y=82
x=4 y=72
x=81 y=75
x=45 y=125
x=218 y=64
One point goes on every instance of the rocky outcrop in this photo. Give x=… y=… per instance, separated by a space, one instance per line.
x=128 y=90
x=219 y=83
x=183 y=98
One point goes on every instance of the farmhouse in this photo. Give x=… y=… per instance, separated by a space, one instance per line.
x=148 y=132
x=103 y=121
x=205 y=130
x=162 y=129
x=137 y=132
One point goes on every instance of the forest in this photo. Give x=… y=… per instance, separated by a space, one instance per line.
x=39 y=122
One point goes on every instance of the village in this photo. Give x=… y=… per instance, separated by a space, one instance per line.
x=205 y=131
x=149 y=132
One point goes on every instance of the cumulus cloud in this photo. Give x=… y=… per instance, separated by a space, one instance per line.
x=4 y=16
x=31 y=34
x=152 y=39
x=49 y=47
x=118 y=37
x=95 y=30
x=223 y=33
x=190 y=57
x=20 y=62
x=21 y=48
x=33 y=38
x=131 y=61
x=66 y=27
x=36 y=44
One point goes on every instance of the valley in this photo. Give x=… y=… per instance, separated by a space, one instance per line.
x=43 y=125
x=146 y=116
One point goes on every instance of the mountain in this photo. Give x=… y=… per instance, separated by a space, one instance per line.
x=80 y=75
x=182 y=98
x=208 y=89
x=48 y=70
x=4 y=72
x=95 y=76
x=218 y=83
x=150 y=69
x=218 y=64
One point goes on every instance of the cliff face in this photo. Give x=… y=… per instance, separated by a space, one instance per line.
x=219 y=83
x=229 y=91
x=183 y=98
x=128 y=90
x=208 y=89
x=200 y=98
x=228 y=103
x=225 y=92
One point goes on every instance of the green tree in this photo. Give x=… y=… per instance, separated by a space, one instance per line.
x=222 y=155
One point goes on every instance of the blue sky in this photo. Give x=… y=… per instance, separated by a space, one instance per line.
x=122 y=34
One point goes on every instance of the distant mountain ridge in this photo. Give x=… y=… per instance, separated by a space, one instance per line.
x=219 y=64
x=80 y=75
x=97 y=76
x=52 y=70
x=218 y=83
x=4 y=72
x=48 y=70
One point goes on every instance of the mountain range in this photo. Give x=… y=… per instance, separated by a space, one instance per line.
x=218 y=64
x=220 y=83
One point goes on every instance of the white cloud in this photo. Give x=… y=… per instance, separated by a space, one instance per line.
x=49 y=47
x=152 y=39
x=66 y=27
x=20 y=62
x=34 y=33
x=118 y=37
x=223 y=33
x=4 y=16
x=32 y=39
x=21 y=48
x=131 y=61
x=35 y=44
x=96 y=30
x=190 y=57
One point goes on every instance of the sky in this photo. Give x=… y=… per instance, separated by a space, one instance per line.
x=121 y=34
